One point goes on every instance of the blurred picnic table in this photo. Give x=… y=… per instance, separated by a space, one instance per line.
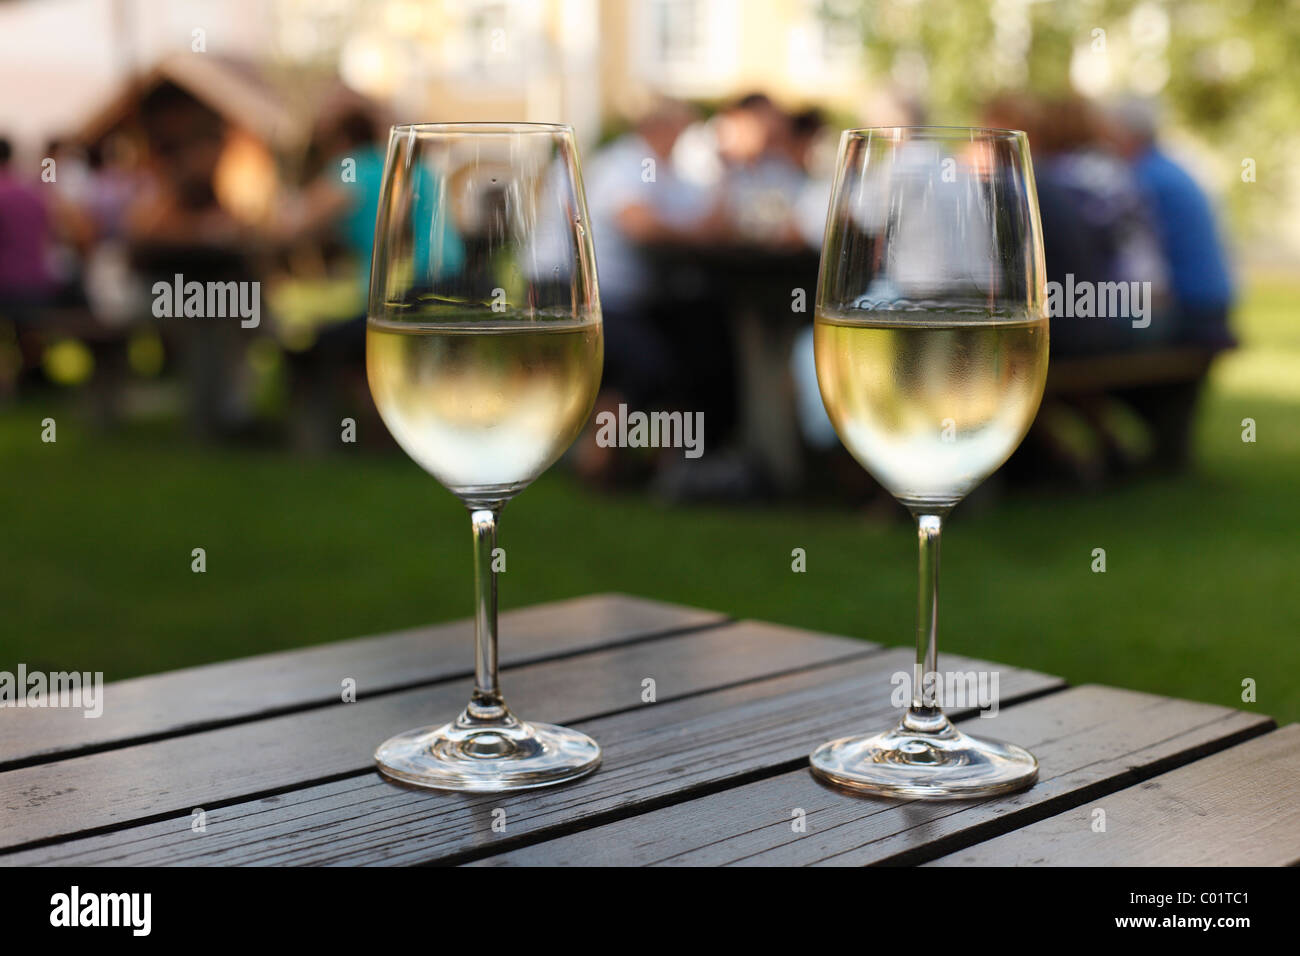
x=766 y=294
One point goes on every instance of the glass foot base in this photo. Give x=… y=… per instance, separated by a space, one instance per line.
x=938 y=764
x=487 y=756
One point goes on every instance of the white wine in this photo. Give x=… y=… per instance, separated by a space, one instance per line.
x=930 y=403
x=485 y=405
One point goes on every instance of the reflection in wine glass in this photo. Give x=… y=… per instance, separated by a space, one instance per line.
x=484 y=368
x=931 y=349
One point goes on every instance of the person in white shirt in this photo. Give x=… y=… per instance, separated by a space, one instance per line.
x=635 y=196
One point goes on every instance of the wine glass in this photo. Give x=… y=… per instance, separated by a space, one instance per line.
x=931 y=343
x=484 y=352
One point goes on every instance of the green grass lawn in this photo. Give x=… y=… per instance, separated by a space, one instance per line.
x=1198 y=593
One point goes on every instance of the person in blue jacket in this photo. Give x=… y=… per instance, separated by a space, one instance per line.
x=1199 y=274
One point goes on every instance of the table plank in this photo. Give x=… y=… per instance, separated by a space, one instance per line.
x=1088 y=740
x=215 y=695
x=654 y=754
x=170 y=777
x=1240 y=807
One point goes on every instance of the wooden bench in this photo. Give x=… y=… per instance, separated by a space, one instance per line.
x=1161 y=386
x=713 y=772
x=106 y=344
x=1129 y=369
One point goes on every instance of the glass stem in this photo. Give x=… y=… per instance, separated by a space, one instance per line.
x=924 y=716
x=486 y=703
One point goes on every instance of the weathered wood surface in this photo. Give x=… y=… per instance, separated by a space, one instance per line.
x=1088 y=740
x=1240 y=807
x=201 y=698
x=654 y=753
x=712 y=770
x=168 y=778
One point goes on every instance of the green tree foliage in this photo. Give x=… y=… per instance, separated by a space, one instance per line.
x=1226 y=71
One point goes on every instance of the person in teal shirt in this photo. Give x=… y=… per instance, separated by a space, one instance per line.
x=345 y=197
x=434 y=257
x=344 y=200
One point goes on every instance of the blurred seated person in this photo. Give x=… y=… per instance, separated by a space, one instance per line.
x=1066 y=247
x=73 y=225
x=1096 y=225
x=636 y=198
x=114 y=180
x=1199 y=273
x=343 y=201
x=1097 y=228
x=339 y=206
x=25 y=278
x=640 y=194
x=815 y=146
x=27 y=282
x=762 y=178
x=807 y=132
x=177 y=226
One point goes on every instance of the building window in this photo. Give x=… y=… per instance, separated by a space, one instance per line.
x=686 y=47
x=826 y=42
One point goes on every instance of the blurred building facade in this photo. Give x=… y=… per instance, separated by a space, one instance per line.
x=584 y=62
x=1222 y=67
x=589 y=61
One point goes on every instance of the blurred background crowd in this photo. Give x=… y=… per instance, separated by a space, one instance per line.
x=718 y=235
x=243 y=141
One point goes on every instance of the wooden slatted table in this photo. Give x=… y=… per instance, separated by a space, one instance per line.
x=714 y=771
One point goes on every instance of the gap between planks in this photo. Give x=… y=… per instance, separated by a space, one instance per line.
x=152 y=844
x=509 y=845
x=873 y=833
x=218 y=723
x=854 y=650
